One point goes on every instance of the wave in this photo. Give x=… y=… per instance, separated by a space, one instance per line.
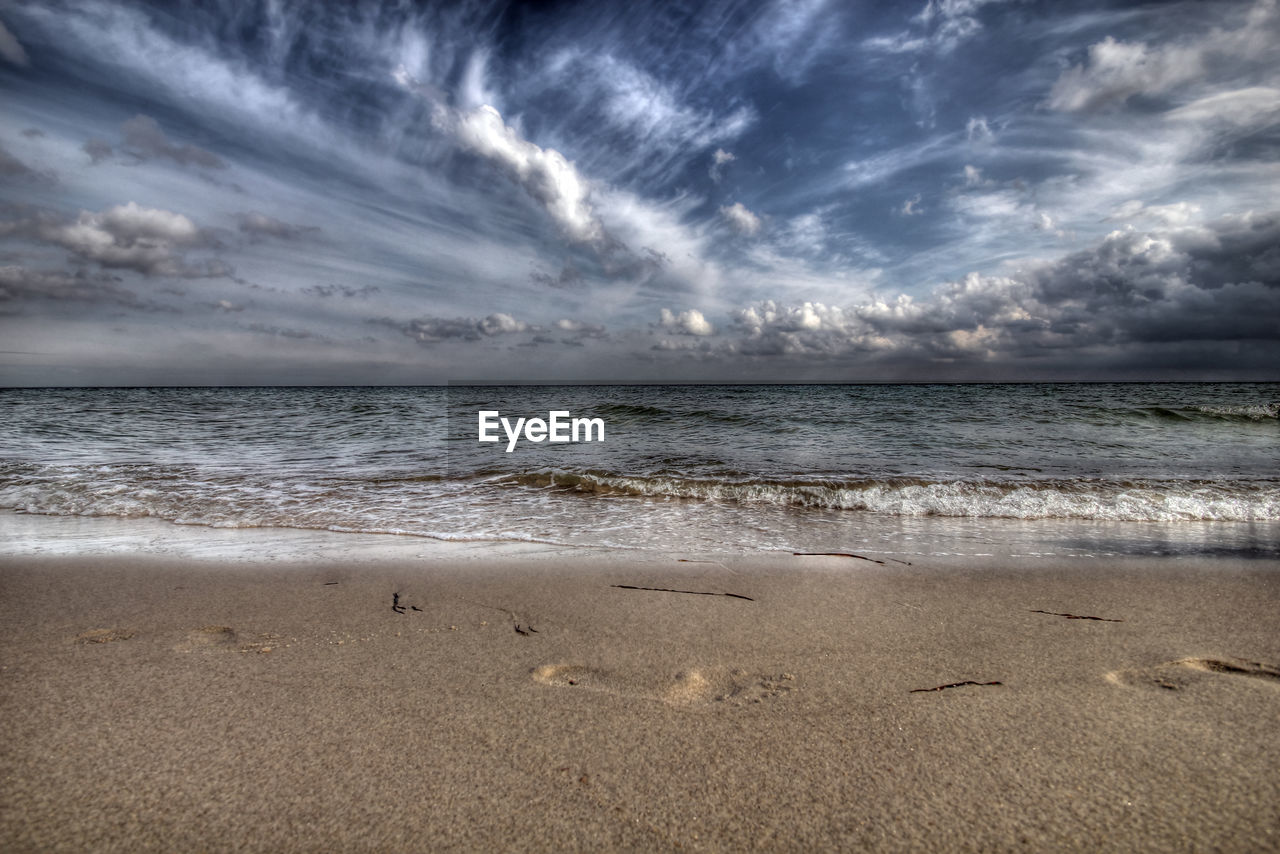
x=1138 y=501
x=1254 y=412
x=1205 y=413
x=435 y=504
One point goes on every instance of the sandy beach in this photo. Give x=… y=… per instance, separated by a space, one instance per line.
x=548 y=701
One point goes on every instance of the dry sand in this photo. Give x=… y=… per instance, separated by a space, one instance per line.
x=162 y=705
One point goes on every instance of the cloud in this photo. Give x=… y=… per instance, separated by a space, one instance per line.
x=461 y=187
x=149 y=241
x=718 y=160
x=568 y=277
x=939 y=27
x=687 y=347
x=649 y=110
x=769 y=328
x=879 y=168
x=951 y=22
x=581 y=328
x=117 y=46
x=19 y=283
x=12 y=167
x=98 y=150
x=740 y=219
x=689 y=322
x=346 y=291
x=1251 y=106
x=473 y=90
x=1002 y=210
x=10 y=48
x=259 y=225
x=543 y=173
x=1178 y=213
x=670 y=246
x=1045 y=222
x=653 y=114
x=501 y=324
x=1216 y=283
x=977 y=130
x=791 y=36
x=144 y=139
x=431 y=330
x=281 y=331
x=1116 y=71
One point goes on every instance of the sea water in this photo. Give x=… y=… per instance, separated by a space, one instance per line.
x=887 y=470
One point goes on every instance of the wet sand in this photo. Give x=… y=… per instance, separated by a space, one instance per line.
x=549 y=701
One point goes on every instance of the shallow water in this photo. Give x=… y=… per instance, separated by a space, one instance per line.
x=1053 y=469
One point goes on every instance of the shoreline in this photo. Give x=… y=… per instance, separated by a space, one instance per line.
x=24 y=534
x=562 y=699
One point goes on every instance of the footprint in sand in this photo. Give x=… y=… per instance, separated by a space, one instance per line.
x=686 y=689
x=224 y=639
x=1186 y=672
x=208 y=638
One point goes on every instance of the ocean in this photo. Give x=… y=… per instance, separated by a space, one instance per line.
x=890 y=471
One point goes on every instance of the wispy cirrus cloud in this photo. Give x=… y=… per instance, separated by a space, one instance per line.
x=797 y=185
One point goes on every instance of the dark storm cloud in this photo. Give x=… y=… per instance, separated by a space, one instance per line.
x=1216 y=283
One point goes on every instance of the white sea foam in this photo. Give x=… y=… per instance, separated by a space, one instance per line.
x=1102 y=500
x=700 y=468
x=1253 y=412
x=449 y=508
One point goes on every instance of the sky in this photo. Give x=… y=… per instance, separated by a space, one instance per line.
x=248 y=193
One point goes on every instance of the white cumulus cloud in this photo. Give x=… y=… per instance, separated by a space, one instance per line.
x=740 y=219
x=147 y=240
x=689 y=322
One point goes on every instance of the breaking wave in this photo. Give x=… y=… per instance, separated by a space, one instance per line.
x=1140 y=501
x=430 y=504
x=1207 y=413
